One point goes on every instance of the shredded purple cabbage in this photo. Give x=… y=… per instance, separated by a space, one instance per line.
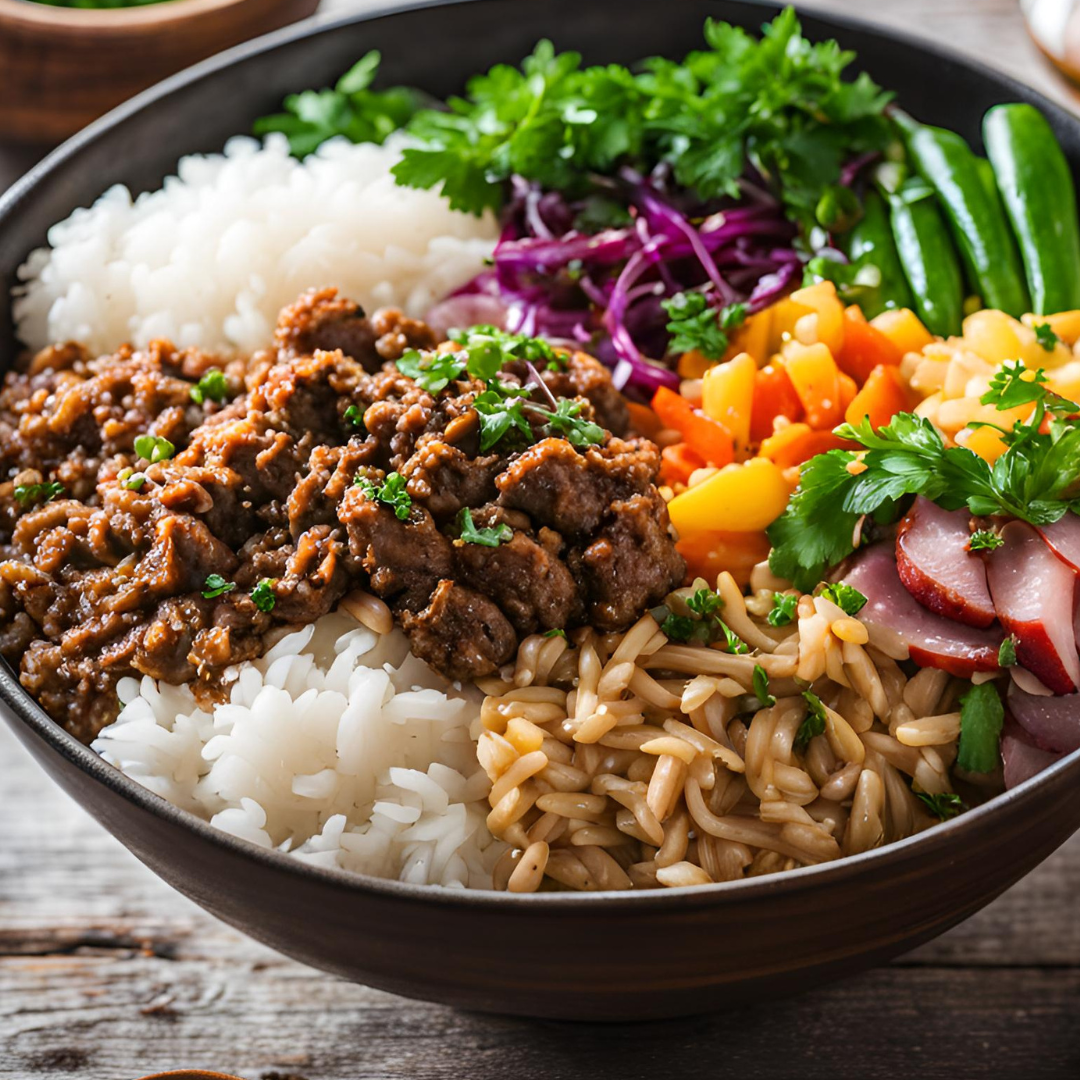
x=560 y=273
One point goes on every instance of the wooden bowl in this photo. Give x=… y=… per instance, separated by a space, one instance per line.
x=63 y=67
x=613 y=956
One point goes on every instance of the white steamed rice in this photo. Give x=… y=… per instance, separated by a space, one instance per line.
x=337 y=745
x=211 y=257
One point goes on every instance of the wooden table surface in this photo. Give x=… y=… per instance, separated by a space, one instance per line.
x=106 y=974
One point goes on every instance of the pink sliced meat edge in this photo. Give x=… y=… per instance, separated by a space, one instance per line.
x=1021 y=758
x=937 y=568
x=932 y=640
x=1063 y=539
x=1034 y=594
x=1052 y=723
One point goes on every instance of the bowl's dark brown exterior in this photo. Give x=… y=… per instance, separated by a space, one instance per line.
x=604 y=956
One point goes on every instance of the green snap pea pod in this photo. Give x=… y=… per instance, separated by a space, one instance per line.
x=927 y=255
x=872 y=242
x=1037 y=188
x=946 y=162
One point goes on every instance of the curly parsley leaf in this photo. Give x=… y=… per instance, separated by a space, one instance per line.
x=813 y=725
x=263 y=595
x=704 y=602
x=500 y=413
x=845 y=597
x=783 y=609
x=1045 y=336
x=28 y=494
x=984 y=540
x=488 y=537
x=391 y=492
x=981 y=718
x=216 y=586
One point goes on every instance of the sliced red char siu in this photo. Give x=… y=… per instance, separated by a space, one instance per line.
x=936 y=567
x=1064 y=539
x=1034 y=593
x=1021 y=757
x=1051 y=721
x=933 y=640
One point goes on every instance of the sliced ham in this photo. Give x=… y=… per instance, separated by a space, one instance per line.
x=936 y=567
x=1064 y=539
x=1052 y=723
x=932 y=640
x=1022 y=759
x=1034 y=593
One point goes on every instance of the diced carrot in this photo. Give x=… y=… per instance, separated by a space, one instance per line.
x=773 y=396
x=883 y=395
x=848 y=390
x=708 y=553
x=677 y=463
x=865 y=346
x=816 y=378
x=710 y=440
x=643 y=420
x=796 y=443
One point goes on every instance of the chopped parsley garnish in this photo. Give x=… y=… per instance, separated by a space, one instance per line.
x=556 y=632
x=1007 y=652
x=732 y=642
x=154 y=448
x=213 y=386
x=783 y=609
x=848 y=599
x=565 y=421
x=27 y=494
x=695 y=325
x=216 y=585
x=703 y=625
x=351 y=109
x=130 y=479
x=814 y=724
x=1035 y=479
x=263 y=594
x=944 y=805
x=704 y=602
x=1045 y=336
x=432 y=371
x=981 y=718
x=682 y=627
x=489 y=537
x=500 y=413
x=984 y=540
x=354 y=416
x=391 y=492
x=761 y=687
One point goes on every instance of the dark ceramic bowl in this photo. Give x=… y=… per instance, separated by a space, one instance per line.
x=598 y=956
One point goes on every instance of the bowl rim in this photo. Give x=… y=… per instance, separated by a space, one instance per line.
x=157 y=16
x=18 y=702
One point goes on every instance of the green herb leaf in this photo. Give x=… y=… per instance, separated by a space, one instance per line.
x=565 y=421
x=431 y=371
x=680 y=627
x=984 y=540
x=154 y=448
x=216 y=586
x=732 y=642
x=944 y=805
x=813 y=725
x=27 y=494
x=212 y=386
x=555 y=632
x=490 y=537
x=704 y=602
x=263 y=594
x=761 y=687
x=130 y=479
x=354 y=417
x=500 y=414
x=1007 y=652
x=1045 y=336
x=694 y=324
x=981 y=718
x=783 y=609
x=391 y=492
x=845 y=597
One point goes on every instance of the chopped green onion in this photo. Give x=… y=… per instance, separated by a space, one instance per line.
x=216 y=586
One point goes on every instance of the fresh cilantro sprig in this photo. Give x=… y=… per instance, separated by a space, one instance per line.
x=1036 y=479
x=1045 y=336
x=486 y=537
x=567 y=422
x=703 y=624
x=263 y=595
x=216 y=586
x=814 y=723
x=391 y=492
x=351 y=109
x=985 y=540
x=28 y=494
x=783 y=609
x=845 y=597
x=696 y=325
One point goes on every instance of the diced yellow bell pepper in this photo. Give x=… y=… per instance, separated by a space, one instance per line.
x=727 y=395
x=738 y=498
x=692 y=365
x=753 y=337
x=1065 y=380
x=902 y=327
x=1066 y=324
x=824 y=321
x=984 y=441
x=816 y=378
x=997 y=337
